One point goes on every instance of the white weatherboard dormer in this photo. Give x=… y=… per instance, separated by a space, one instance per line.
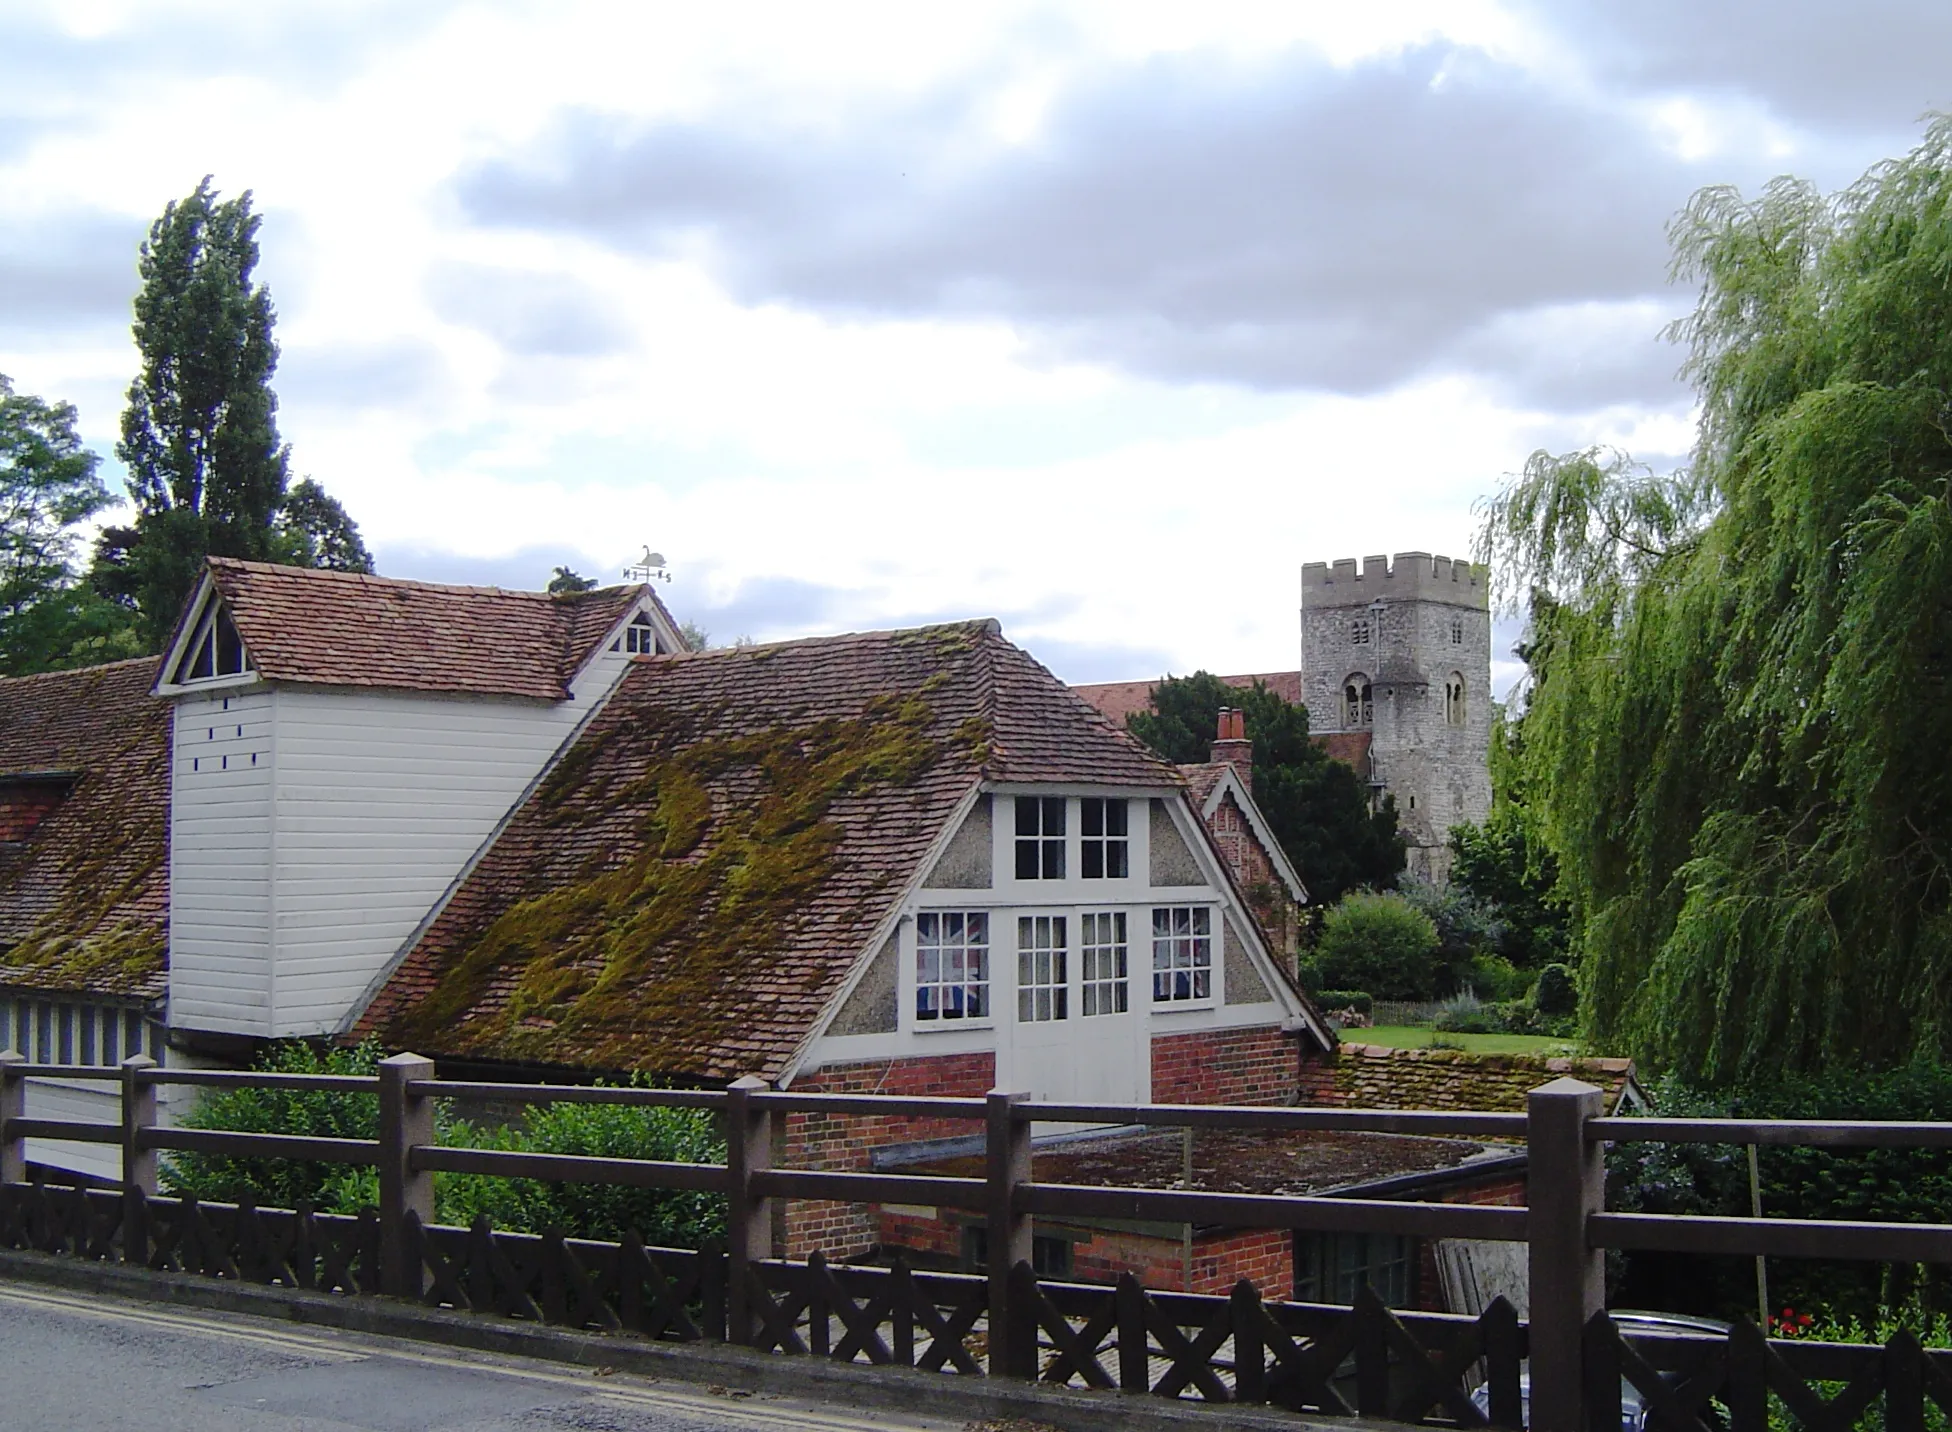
x=342 y=746
x=1065 y=929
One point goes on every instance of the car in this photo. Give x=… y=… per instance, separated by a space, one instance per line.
x=1633 y=1409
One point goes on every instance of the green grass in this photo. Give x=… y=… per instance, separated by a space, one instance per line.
x=1416 y=1036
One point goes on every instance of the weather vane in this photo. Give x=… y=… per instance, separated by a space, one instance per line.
x=647 y=568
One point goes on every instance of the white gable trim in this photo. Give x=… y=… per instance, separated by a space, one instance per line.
x=1230 y=783
x=206 y=597
x=668 y=636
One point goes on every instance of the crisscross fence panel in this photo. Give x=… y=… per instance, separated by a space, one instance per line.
x=1568 y=1368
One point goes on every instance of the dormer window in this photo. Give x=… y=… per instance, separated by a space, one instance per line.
x=639 y=638
x=216 y=649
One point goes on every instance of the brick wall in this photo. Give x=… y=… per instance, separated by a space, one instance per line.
x=1256 y=1065
x=1254 y=872
x=24 y=804
x=844 y=1141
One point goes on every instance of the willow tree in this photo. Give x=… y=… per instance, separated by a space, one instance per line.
x=1738 y=732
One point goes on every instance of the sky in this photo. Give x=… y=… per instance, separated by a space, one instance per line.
x=1098 y=318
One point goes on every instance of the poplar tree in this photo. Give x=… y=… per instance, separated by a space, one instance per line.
x=1736 y=735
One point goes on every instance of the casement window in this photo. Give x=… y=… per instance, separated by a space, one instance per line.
x=1105 y=845
x=1359 y=631
x=952 y=965
x=1182 y=953
x=216 y=649
x=639 y=638
x=1040 y=837
x=1331 y=1267
x=1043 y=971
x=1106 y=957
x=1454 y=699
x=1358 y=707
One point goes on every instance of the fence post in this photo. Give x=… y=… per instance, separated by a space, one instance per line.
x=748 y=1219
x=1565 y=1181
x=406 y=1119
x=138 y=1163
x=13 y=1105
x=1007 y=1233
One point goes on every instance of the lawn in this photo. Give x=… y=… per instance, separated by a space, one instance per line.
x=1415 y=1036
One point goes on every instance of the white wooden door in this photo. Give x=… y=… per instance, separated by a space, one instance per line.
x=1075 y=1034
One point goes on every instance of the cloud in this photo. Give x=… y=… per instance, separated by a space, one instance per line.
x=1872 y=67
x=73 y=269
x=401 y=374
x=1292 y=226
x=531 y=314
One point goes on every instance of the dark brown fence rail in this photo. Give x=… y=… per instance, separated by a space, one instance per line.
x=1565 y=1369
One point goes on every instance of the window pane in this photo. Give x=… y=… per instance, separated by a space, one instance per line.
x=1115 y=818
x=1027 y=859
x=1115 y=860
x=1054 y=859
x=1091 y=817
x=1093 y=856
x=1053 y=815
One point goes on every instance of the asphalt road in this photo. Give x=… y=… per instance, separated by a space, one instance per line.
x=103 y=1365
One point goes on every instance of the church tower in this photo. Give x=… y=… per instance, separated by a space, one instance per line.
x=1396 y=675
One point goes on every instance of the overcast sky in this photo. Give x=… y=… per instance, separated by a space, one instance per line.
x=1098 y=318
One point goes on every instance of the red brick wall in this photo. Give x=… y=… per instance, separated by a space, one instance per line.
x=1254 y=871
x=843 y=1141
x=1256 y=1065
x=23 y=806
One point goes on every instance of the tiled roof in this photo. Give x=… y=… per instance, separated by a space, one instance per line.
x=1202 y=779
x=1349 y=747
x=686 y=889
x=1122 y=699
x=1373 y=1076
x=84 y=899
x=346 y=629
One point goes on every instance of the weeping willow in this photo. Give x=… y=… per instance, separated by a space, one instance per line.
x=1738 y=729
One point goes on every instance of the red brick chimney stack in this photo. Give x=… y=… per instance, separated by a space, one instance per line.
x=1232 y=747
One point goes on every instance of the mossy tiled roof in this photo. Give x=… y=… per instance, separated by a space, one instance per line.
x=345 y=629
x=84 y=899
x=1375 y=1076
x=686 y=889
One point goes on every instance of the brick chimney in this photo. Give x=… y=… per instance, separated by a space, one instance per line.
x=1231 y=747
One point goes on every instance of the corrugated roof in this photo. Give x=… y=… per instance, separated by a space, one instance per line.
x=686 y=889
x=347 y=629
x=84 y=899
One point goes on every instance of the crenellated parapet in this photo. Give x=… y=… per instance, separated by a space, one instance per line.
x=1409 y=576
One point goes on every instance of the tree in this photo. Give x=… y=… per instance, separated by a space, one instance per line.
x=1318 y=807
x=207 y=471
x=1742 y=672
x=565 y=582
x=1378 y=943
x=48 y=487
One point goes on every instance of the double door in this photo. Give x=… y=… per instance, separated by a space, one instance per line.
x=1075 y=1018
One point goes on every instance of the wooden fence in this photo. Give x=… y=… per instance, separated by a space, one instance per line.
x=1565 y=1367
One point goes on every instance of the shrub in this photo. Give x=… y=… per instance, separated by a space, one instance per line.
x=1379 y=943
x=1556 y=994
x=1467 y=928
x=1467 y=1014
x=1495 y=978
x=1340 y=999
x=666 y=1217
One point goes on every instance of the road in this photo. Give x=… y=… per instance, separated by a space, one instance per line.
x=71 y=1361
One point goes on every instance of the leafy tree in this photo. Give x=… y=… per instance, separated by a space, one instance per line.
x=48 y=487
x=696 y=637
x=1380 y=943
x=1505 y=869
x=315 y=531
x=1318 y=807
x=207 y=471
x=1741 y=697
x=563 y=581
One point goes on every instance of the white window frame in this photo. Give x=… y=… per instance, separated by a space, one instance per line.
x=207 y=642
x=1106 y=843
x=1197 y=943
x=941 y=986
x=1104 y=963
x=1043 y=841
x=1043 y=968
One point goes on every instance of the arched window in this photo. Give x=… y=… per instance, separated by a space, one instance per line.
x=1359 y=631
x=1357 y=708
x=1454 y=700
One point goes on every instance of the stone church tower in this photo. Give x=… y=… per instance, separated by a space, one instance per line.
x=1396 y=675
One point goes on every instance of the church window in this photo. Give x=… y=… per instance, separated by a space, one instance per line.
x=1104 y=850
x=216 y=649
x=1182 y=954
x=1454 y=700
x=1040 y=837
x=1359 y=631
x=1043 y=982
x=1358 y=708
x=1457 y=631
x=952 y=965
x=1105 y=955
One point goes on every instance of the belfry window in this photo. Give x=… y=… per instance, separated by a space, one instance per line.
x=1359 y=631
x=1454 y=700
x=216 y=649
x=1358 y=708
x=1457 y=631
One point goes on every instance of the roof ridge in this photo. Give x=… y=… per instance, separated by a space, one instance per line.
x=829 y=639
x=374 y=579
x=80 y=670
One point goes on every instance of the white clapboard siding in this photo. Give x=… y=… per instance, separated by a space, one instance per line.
x=72 y=1031
x=220 y=862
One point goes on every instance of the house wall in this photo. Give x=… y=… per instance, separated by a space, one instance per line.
x=297 y=878
x=1241 y=848
x=1226 y=1066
